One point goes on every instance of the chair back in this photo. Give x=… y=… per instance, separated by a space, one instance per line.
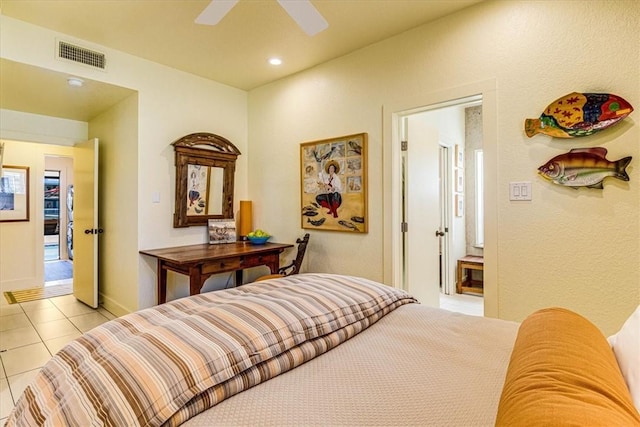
x=295 y=266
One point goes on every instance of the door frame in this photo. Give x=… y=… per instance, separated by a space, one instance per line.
x=392 y=186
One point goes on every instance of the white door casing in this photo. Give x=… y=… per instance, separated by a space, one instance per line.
x=393 y=114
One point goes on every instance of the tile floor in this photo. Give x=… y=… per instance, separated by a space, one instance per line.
x=31 y=332
x=463 y=303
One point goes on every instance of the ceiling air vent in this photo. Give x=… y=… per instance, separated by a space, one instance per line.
x=82 y=55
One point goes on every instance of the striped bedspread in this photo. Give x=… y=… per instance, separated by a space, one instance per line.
x=163 y=365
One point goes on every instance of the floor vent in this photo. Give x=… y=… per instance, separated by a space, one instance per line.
x=82 y=55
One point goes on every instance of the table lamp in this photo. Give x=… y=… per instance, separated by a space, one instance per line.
x=245 y=219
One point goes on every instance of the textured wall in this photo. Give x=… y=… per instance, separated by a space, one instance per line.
x=22 y=243
x=577 y=249
x=473 y=142
x=171 y=104
x=117 y=129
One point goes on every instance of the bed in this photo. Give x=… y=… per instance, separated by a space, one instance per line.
x=307 y=349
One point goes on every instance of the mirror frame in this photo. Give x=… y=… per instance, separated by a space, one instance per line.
x=204 y=149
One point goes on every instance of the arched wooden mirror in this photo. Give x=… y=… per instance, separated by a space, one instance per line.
x=205 y=167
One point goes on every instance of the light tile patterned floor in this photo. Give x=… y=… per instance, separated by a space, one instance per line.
x=31 y=332
x=463 y=303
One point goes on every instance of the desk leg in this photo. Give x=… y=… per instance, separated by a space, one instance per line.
x=239 y=278
x=459 y=279
x=195 y=280
x=274 y=266
x=162 y=283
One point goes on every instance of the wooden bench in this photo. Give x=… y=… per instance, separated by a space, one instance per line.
x=469 y=262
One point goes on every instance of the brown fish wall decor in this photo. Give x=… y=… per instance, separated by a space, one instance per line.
x=584 y=167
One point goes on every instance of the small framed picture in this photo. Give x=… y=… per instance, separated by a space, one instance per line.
x=459 y=205
x=459 y=180
x=221 y=231
x=14 y=193
x=459 y=156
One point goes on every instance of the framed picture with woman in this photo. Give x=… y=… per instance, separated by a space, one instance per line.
x=333 y=179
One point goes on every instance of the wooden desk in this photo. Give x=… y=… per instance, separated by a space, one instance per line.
x=469 y=262
x=199 y=262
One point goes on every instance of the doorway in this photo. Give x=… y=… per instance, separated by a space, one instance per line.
x=51 y=215
x=435 y=185
x=58 y=220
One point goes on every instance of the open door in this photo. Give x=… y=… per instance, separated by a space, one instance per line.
x=422 y=211
x=86 y=228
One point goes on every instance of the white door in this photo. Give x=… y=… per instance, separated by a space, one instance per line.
x=85 y=223
x=422 y=211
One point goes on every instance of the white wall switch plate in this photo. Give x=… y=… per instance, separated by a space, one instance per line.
x=155 y=197
x=520 y=190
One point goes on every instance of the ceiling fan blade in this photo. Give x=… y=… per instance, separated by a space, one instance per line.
x=306 y=15
x=216 y=10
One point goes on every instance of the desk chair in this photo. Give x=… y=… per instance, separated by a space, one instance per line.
x=294 y=267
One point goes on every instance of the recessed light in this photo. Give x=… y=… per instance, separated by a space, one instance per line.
x=75 y=82
x=275 y=61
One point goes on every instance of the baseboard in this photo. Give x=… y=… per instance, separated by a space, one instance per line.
x=112 y=306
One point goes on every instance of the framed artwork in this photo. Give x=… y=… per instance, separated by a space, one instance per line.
x=459 y=205
x=197 y=190
x=205 y=166
x=459 y=180
x=333 y=181
x=14 y=194
x=459 y=156
x=221 y=231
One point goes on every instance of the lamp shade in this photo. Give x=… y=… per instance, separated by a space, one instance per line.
x=246 y=221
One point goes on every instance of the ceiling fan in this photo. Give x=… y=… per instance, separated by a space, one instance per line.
x=302 y=11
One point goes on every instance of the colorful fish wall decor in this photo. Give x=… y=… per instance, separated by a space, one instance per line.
x=579 y=114
x=584 y=167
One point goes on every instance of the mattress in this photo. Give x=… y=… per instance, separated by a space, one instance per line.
x=417 y=366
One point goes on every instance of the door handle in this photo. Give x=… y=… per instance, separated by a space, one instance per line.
x=439 y=233
x=94 y=231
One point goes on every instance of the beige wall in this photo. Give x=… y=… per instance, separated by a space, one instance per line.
x=22 y=243
x=171 y=104
x=117 y=130
x=578 y=249
x=21 y=126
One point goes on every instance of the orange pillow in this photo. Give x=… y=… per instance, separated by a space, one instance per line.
x=563 y=372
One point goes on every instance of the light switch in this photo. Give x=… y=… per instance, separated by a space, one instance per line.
x=155 y=197
x=520 y=190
